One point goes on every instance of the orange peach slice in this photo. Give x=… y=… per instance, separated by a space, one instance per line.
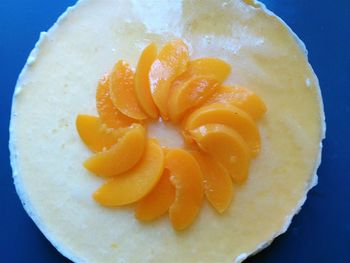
x=120 y=157
x=226 y=146
x=142 y=82
x=190 y=94
x=136 y=183
x=171 y=62
x=108 y=113
x=122 y=88
x=95 y=134
x=187 y=179
x=241 y=98
x=158 y=201
x=218 y=186
x=231 y=116
x=210 y=67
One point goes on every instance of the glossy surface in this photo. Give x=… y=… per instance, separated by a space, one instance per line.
x=222 y=150
x=242 y=98
x=231 y=116
x=217 y=183
x=196 y=85
x=107 y=111
x=136 y=183
x=207 y=66
x=142 y=83
x=226 y=146
x=316 y=220
x=190 y=95
x=95 y=135
x=158 y=201
x=170 y=63
x=122 y=156
x=122 y=88
x=186 y=176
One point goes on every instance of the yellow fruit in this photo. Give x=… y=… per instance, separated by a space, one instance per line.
x=120 y=157
x=95 y=134
x=218 y=186
x=158 y=201
x=142 y=81
x=135 y=184
x=228 y=115
x=242 y=98
x=226 y=146
x=209 y=67
x=190 y=94
x=123 y=95
x=108 y=113
x=170 y=63
x=187 y=179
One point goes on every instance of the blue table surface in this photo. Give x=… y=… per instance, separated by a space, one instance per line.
x=319 y=233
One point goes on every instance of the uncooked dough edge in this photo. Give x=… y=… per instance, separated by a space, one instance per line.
x=28 y=207
x=314 y=179
x=26 y=201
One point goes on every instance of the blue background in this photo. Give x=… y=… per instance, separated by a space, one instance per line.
x=319 y=233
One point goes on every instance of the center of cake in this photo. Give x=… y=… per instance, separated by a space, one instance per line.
x=167 y=134
x=170 y=133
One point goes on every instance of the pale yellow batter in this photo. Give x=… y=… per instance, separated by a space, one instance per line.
x=59 y=82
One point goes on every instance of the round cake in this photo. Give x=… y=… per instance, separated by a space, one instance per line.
x=58 y=83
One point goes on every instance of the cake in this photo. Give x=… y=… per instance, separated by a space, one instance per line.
x=59 y=83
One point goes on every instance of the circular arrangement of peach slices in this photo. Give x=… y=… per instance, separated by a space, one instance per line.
x=218 y=124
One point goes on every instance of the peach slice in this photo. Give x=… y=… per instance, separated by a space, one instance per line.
x=241 y=98
x=218 y=186
x=158 y=201
x=122 y=88
x=187 y=179
x=136 y=183
x=231 y=116
x=142 y=82
x=120 y=157
x=210 y=67
x=190 y=94
x=171 y=62
x=226 y=146
x=108 y=113
x=95 y=134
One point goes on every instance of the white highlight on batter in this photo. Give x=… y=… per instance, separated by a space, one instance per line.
x=166 y=133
